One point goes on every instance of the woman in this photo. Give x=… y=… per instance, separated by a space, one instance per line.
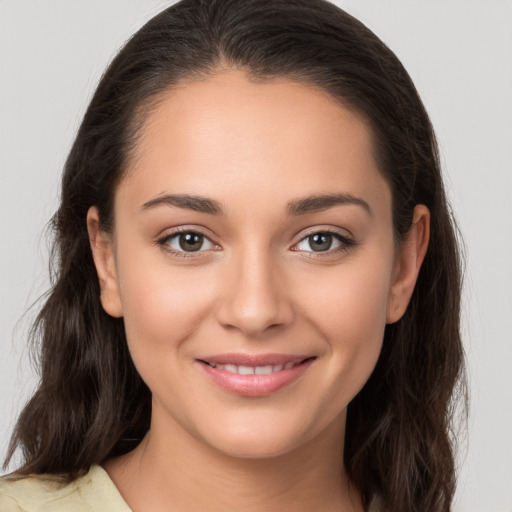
x=257 y=298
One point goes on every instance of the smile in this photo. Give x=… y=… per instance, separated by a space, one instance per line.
x=250 y=370
x=254 y=376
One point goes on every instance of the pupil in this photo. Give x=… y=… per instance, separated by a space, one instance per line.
x=320 y=241
x=191 y=241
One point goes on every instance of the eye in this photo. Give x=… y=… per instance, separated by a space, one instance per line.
x=186 y=242
x=324 y=241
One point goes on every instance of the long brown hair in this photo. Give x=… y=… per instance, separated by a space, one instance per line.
x=91 y=403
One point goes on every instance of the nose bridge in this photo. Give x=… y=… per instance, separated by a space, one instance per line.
x=254 y=298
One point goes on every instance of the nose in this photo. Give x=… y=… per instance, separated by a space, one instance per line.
x=254 y=295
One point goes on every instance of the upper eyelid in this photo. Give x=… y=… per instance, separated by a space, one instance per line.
x=343 y=235
x=169 y=233
x=305 y=234
x=179 y=231
x=325 y=231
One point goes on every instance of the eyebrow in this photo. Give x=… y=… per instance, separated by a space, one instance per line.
x=319 y=203
x=301 y=206
x=187 y=201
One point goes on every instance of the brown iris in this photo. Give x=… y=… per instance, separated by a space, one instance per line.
x=320 y=241
x=190 y=241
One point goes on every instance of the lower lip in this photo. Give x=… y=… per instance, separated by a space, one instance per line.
x=254 y=385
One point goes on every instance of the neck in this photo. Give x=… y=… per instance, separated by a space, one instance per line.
x=176 y=468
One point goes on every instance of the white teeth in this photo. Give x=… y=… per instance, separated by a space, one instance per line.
x=263 y=370
x=250 y=370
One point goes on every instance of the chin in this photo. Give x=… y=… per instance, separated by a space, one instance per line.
x=255 y=447
x=264 y=439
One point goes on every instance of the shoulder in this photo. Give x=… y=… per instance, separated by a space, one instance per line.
x=94 y=492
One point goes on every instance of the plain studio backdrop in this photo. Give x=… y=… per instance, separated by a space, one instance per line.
x=459 y=54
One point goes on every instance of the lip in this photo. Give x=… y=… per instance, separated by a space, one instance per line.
x=254 y=385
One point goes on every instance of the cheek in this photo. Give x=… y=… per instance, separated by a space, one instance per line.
x=163 y=305
x=348 y=308
x=350 y=301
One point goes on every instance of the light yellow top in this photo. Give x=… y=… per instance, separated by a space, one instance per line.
x=94 y=492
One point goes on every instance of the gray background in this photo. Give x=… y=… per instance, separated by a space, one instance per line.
x=458 y=52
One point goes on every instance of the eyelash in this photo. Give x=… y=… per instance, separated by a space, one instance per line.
x=345 y=243
x=162 y=242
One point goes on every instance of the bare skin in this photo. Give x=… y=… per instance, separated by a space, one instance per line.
x=256 y=282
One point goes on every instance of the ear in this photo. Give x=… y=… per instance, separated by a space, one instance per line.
x=408 y=263
x=104 y=260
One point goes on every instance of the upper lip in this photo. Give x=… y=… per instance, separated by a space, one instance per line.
x=254 y=359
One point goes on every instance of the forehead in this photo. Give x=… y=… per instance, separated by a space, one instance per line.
x=276 y=139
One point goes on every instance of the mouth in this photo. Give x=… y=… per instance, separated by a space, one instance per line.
x=248 y=375
x=253 y=370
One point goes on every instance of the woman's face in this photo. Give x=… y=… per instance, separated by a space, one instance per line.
x=253 y=232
